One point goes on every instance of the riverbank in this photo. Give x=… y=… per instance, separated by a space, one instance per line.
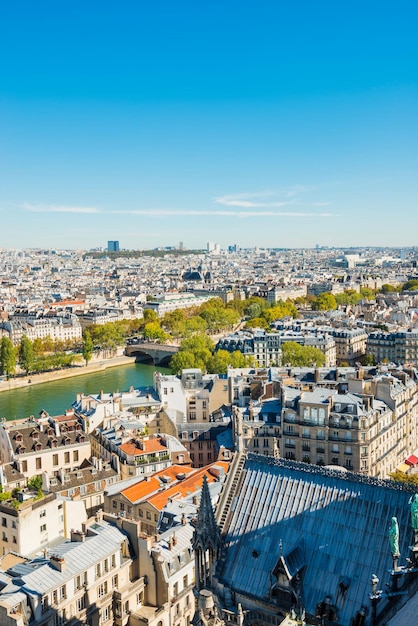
x=76 y=370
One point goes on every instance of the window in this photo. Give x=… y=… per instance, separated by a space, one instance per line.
x=4 y=522
x=81 y=603
x=55 y=459
x=24 y=466
x=75 y=455
x=38 y=462
x=63 y=593
x=105 y=614
x=115 y=581
x=66 y=457
x=42 y=513
x=192 y=415
x=45 y=604
x=4 y=537
x=114 y=504
x=139 y=599
x=43 y=528
x=102 y=590
x=98 y=572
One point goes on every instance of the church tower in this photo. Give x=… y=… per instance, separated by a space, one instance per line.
x=206 y=540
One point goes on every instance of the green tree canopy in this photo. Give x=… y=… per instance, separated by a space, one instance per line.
x=410 y=285
x=26 y=354
x=153 y=331
x=7 y=357
x=87 y=347
x=324 y=302
x=301 y=356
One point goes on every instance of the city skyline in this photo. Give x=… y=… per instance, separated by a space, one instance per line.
x=253 y=124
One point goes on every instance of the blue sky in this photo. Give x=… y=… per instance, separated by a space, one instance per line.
x=270 y=122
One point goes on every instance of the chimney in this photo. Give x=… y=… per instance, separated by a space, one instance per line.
x=170 y=543
x=99 y=515
x=174 y=539
x=78 y=536
x=183 y=519
x=195 y=500
x=57 y=562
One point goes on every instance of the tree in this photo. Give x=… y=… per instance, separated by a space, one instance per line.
x=367 y=293
x=182 y=360
x=410 y=285
x=301 y=356
x=26 y=354
x=368 y=359
x=386 y=288
x=87 y=347
x=324 y=302
x=153 y=330
x=7 y=357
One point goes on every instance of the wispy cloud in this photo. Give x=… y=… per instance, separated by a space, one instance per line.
x=216 y=212
x=53 y=208
x=170 y=212
x=251 y=200
x=321 y=204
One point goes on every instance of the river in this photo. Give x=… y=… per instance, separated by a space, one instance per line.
x=58 y=395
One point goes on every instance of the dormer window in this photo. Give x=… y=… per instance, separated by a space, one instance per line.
x=18 y=437
x=81 y=438
x=34 y=434
x=66 y=441
x=38 y=447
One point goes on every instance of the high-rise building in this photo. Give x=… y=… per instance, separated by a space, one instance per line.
x=113 y=246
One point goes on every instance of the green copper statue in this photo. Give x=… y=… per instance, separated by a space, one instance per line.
x=394 y=537
x=413 y=501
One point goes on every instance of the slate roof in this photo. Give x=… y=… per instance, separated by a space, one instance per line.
x=339 y=520
x=38 y=576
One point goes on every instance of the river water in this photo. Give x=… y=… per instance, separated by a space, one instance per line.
x=58 y=395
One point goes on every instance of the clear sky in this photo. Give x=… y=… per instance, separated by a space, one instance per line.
x=279 y=123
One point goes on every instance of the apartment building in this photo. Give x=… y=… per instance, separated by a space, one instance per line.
x=368 y=429
x=30 y=522
x=84 y=580
x=59 y=327
x=267 y=348
x=134 y=454
x=146 y=500
x=44 y=445
x=399 y=347
x=85 y=484
x=350 y=345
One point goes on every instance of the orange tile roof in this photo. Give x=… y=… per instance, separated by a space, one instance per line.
x=66 y=302
x=144 y=488
x=150 y=445
x=187 y=486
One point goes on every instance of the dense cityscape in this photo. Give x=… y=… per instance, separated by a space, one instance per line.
x=293 y=382
x=208 y=313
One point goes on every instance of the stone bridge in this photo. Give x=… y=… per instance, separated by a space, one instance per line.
x=147 y=352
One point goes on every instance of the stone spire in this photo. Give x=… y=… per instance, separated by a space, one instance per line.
x=206 y=538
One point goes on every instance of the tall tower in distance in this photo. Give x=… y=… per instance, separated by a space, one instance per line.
x=113 y=246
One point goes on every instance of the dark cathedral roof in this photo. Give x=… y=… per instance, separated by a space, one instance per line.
x=330 y=526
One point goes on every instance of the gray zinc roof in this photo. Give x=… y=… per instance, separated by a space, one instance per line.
x=339 y=520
